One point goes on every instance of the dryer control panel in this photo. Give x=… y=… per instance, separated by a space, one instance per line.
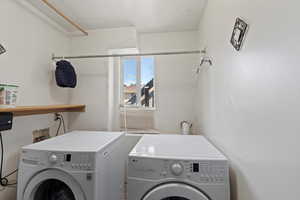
x=204 y=171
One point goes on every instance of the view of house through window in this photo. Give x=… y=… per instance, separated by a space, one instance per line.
x=138 y=82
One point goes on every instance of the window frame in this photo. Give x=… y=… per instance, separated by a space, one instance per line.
x=138 y=83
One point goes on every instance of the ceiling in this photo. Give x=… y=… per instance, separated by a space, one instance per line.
x=145 y=15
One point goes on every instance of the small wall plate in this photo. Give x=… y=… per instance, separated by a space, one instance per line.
x=40 y=135
x=238 y=34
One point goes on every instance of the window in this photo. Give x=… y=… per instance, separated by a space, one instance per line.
x=137 y=82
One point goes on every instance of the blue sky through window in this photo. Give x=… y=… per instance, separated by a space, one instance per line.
x=129 y=67
x=147 y=70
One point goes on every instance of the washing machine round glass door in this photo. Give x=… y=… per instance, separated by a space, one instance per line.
x=175 y=191
x=53 y=185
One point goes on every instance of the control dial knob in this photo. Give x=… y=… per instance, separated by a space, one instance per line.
x=53 y=158
x=177 y=169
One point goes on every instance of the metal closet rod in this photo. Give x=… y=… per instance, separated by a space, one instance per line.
x=127 y=55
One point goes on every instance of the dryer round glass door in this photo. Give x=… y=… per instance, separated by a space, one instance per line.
x=53 y=185
x=175 y=191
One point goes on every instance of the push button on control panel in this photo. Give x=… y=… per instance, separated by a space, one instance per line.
x=81 y=166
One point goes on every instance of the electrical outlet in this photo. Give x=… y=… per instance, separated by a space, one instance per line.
x=40 y=135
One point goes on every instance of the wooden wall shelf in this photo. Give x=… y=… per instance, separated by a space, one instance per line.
x=38 y=110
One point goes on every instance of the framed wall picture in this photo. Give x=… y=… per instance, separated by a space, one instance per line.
x=2 y=50
x=238 y=34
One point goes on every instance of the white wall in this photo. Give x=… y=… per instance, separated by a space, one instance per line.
x=175 y=78
x=171 y=71
x=249 y=100
x=29 y=42
x=93 y=81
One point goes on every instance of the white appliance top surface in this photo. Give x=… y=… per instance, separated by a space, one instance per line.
x=78 y=141
x=184 y=147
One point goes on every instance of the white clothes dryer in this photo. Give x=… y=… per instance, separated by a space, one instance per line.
x=177 y=167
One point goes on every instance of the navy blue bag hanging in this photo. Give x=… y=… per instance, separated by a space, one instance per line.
x=65 y=74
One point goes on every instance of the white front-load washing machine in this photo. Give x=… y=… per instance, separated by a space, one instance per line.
x=177 y=167
x=79 y=165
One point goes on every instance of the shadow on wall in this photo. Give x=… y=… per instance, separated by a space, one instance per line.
x=73 y=117
x=233 y=184
x=235 y=191
x=57 y=93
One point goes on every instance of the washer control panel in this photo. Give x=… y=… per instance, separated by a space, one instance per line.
x=67 y=160
x=204 y=171
x=75 y=161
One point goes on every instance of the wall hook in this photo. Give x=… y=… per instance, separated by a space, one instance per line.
x=2 y=49
x=204 y=58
